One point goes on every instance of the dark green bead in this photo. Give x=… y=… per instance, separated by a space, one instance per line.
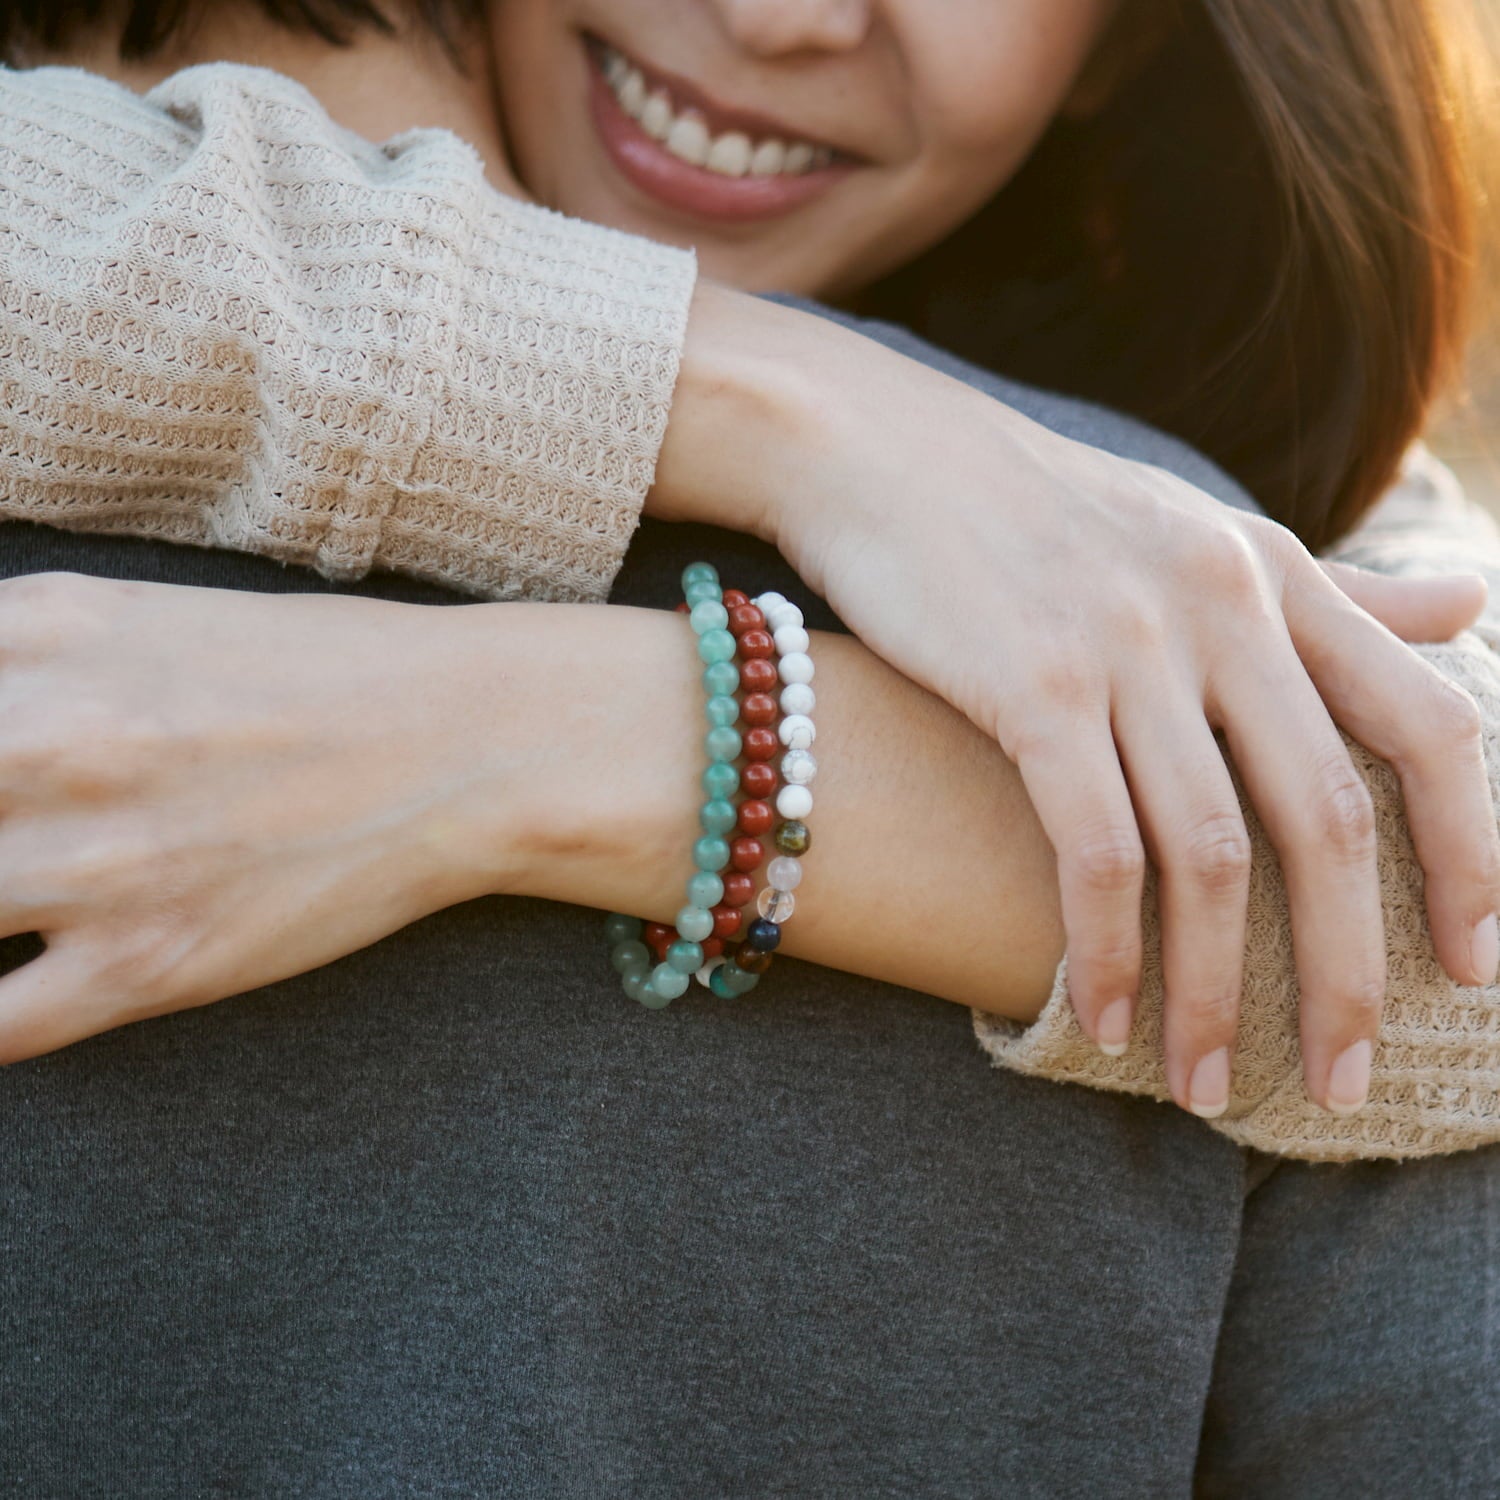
x=699 y=572
x=723 y=743
x=793 y=837
x=618 y=928
x=686 y=957
x=721 y=679
x=718 y=816
x=721 y=779
x=711 y=853
x=629 y=955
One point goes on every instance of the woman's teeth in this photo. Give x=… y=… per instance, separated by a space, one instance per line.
x=685 y=134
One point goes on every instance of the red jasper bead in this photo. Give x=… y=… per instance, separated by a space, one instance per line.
x=684 y=608
x=755 y=819
x=739 y=890
x=734 y=598
x=746 y=854
x=761 y=743
x=712 y=948
x=727 y=921
x=758 y=778
x=758 y=708
x=758 y=675
x=746 y=617
x=658 y=939
x=756 y=643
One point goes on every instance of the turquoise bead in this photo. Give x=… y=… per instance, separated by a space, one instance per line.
x=711 y=853
x=667 y=982
x=718 y=816
x=630 y=955
x=699 y=572
x=638 y=984
x=618 y=928
x=710 y=614
x=694 y=923
x=715 y=645
x=701 y=593
x=721 y=710
x=705 y=889
x=723 y=743
x=721 y=779
x=685 y=957
x=721 y=679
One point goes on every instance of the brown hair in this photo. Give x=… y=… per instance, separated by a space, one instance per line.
x=1264 y=242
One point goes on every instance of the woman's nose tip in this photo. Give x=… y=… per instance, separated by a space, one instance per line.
x=773 y=28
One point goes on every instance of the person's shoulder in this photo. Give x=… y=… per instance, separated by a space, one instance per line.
x=1098 y=426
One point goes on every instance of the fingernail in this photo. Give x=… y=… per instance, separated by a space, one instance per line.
x=1349 y=1081
x=1208 y=1088
x=1114 y=1028
x=1484 y=950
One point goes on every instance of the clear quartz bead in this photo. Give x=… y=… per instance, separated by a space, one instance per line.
x=797 y=731
x=784 y=874
x=775 y=906
x=798 y=767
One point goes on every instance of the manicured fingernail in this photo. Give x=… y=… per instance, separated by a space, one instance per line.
x=1208 y=1088
x=1114 y=1028
x=1484 y=950
x=1349 y=1081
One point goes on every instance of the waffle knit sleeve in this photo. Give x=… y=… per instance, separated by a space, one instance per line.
x=1435 y=1076
x=227 y=322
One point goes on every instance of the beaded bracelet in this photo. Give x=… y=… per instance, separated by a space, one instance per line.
x=727 y=624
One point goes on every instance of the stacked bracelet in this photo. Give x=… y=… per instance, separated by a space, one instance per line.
x=731 y=849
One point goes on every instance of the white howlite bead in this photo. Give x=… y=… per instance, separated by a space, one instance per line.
x=794 y=802
x=798 y=667
x=784 y=874
x=707 y=971
x=765 y=603
x=798 y=698
x=781 y=615
x=790 y=638
x=797 y=731
x=798 y=767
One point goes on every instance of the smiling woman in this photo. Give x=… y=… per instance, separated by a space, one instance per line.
x=231 y=323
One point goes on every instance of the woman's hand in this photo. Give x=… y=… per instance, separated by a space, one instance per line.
x=1102 y=619
x=203 y=791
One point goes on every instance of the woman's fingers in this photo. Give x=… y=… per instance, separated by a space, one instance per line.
x=1405 y=711
x=1195 y=834
x=1072 y=774
x=48 y=1003
x=1415 y=609
x=1319 y=815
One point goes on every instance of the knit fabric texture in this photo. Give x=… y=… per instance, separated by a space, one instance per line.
x=226 y=321
x=1435 y=1073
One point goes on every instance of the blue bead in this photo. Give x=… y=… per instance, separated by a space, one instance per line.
x=630 y=955
x=702 y=593
x=705 y=889
x=720 y=779
x=699 y=572
x=715 y=646
x=694 y=923
x=721 y=709
x=763 y=935
x=707 y=615
x=723 y=743
x=711 y=853
x=618 y=928
x=721 y=679
x=686 y=957
x=718 y=816
x=667 y=982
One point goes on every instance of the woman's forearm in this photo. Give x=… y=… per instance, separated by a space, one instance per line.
x=928 y=867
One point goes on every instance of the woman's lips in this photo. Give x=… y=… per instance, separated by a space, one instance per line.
x=677 y=184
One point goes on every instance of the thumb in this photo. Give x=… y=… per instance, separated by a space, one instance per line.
x=1416 y=609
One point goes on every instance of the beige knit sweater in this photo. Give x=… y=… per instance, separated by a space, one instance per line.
x=226 y=322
